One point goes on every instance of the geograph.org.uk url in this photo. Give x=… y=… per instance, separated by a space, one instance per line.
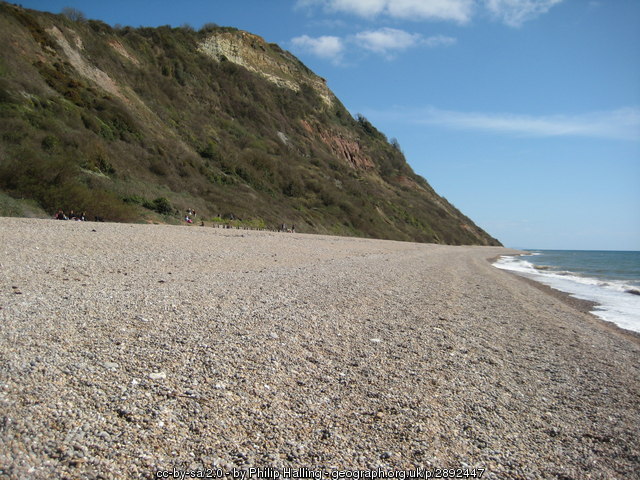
x=318 y=474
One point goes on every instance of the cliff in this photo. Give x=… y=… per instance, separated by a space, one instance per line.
x=140 y=124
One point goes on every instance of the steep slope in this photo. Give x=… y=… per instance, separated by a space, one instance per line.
x=140 y=124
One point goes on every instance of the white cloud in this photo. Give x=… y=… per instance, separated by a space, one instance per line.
x=328 y=47
x=621 y=124
x=515 y=12
x=364 y=8
x=387 y=40
x=511 y=12
x=439 y=41
x=459 y=11
x=451 y=10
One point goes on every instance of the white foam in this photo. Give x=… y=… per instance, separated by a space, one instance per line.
x=615 y=304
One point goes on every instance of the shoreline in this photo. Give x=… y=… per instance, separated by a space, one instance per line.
x=127 y=349
x=582 y=305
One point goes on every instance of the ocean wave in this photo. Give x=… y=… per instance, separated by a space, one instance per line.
x=618 y=301
x=542 y=267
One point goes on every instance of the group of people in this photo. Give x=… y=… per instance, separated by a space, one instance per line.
x=283 y=228
x=190 y=213
x=81 y=217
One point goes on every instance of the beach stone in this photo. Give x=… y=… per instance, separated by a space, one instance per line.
x=473 y=365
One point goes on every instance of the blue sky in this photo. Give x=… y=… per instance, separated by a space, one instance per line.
x=525 y=114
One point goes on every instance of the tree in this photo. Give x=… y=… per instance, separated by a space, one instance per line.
x=74 y=14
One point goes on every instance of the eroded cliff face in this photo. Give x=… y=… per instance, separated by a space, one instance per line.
x=121 y=122
x=269 y=61
x=284 y=70
x=76 y=58
x=347 y=148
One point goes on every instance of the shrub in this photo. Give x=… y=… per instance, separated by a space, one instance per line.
x=293 y=188
x=368 y=128
x=50 y=143
x=160 y=205
x=134 y=199
x=209 y=27
x=158 y=168
x=210 y=151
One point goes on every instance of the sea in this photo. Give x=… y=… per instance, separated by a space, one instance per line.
x=609 y=278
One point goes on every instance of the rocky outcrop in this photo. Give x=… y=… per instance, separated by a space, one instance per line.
x=348 y=150
x=342 y=146
x=271 y=62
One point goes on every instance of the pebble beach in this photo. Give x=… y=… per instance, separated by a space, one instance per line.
x=127 y=350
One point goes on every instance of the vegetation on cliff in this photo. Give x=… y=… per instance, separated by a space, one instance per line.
x=139 y=124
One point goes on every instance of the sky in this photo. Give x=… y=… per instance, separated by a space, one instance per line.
x=525 y=114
